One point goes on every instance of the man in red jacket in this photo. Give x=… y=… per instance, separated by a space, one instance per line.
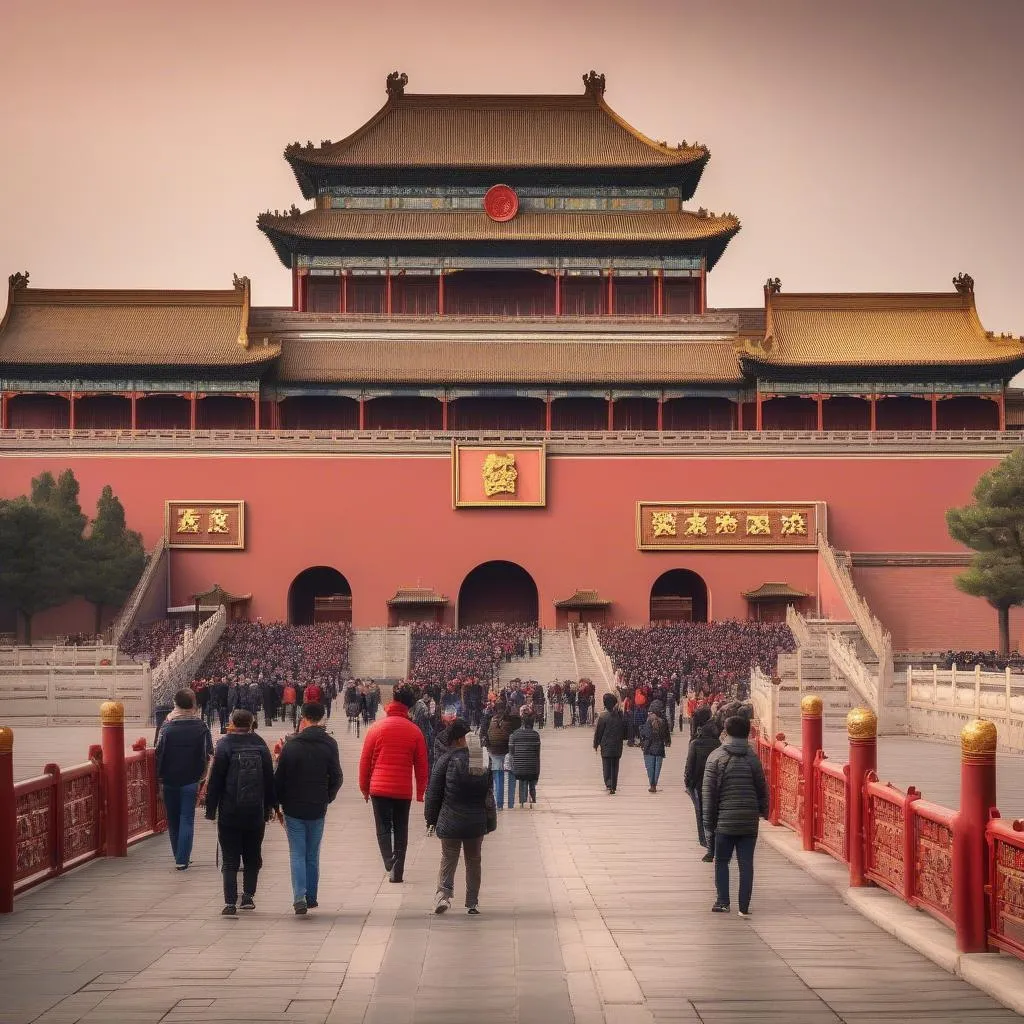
x=393 y=750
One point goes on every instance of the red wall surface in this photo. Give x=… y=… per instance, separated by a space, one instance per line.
x=386 y=522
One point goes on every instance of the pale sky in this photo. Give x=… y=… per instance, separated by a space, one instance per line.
x=875 y=145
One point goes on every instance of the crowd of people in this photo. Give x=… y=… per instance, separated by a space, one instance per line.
x=990 y=661
x=708 y=658
x=440 y=655
x=153 y=641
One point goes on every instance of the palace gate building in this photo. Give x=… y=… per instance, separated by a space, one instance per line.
x=501 y=391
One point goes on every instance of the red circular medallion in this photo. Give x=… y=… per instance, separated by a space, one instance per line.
x=501 y=203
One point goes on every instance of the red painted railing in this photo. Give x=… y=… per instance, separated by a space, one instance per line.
x=1006 y=885
x=832 y=788
x=932 y=843
x=787 y=785
x=889 y=852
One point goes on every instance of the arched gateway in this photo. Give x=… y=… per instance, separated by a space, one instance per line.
x=319 y=594
x=679 y=595
x=498 y=592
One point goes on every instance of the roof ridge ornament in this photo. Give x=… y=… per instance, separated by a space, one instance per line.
x=239 y=283
x=18 y=280
x=396 y=83
x=773 y=286
x=593 y=84
x=964 y=284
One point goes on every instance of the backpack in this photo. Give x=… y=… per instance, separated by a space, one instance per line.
x=243 y=788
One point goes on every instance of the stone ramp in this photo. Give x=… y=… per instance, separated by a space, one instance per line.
x=595 y=911
x=555 y=661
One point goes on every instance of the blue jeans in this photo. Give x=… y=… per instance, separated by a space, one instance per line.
x=653 y=763
x=744 y=847
x=180 y=802
x=304 y=838
x=498 y=775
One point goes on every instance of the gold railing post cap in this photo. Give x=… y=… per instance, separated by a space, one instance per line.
x=811 y=706
x=111 y=713
x=861 y=724
x=6 y=740
x=978 y=737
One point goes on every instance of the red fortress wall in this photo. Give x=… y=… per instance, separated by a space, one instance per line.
x=387 y=521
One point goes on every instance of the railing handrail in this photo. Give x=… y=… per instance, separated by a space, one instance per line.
x=843 y=657
x=874 y=632
x=128 y=614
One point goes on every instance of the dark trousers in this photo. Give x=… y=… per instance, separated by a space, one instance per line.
x=240 y=847
x=744 y=847
x=698 y=806
x=392 y=819
x=611 y=772
x=222 y=717
x=471 y=849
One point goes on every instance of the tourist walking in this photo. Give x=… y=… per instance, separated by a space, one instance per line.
x=701 y=747
x=393 y=752
x=498 y=730
x=609 y=736
x=655 y=739
x=735 y=798
x=524 y=749
x=307 y=779
x=183 y=751
x=456 y=809
x=240 y=795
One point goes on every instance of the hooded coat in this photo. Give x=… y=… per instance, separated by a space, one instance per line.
x=735 y=791
x=456 y=797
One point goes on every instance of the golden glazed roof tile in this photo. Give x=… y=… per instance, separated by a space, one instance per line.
x=878 y=330
x=774 y=592
x=51 y=327
x=474 y=225
x=482 y=131
x=498 y=361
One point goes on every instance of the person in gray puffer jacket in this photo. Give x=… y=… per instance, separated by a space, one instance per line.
x=524 y=749
x=735 y=797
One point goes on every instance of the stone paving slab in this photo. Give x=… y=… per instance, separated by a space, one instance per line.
x=595 y=911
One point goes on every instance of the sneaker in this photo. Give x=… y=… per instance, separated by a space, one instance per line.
x=720 y=908
x=473 y=910
x=744 y=913
x=300 y=906
x=442 y=903
x=181 y=867
x=229 y=910
x=708 y=858
x=312 y=904
x=248 y=903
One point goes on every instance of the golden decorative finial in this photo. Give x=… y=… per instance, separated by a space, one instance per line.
x=811 y=706
x=978 y=738
x=111 y=713
x=862 y=724
x=6 y=740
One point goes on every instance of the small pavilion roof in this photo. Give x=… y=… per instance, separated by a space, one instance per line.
x=701 y=231
x=775 y=592
x=417 y=596
x=67 y=327
x=880 y=330
x=584 y=599
x=217 y=595
x=495 y=132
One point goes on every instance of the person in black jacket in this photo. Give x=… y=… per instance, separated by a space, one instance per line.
x=703 y=744
x=307 y=779
x=220 y=695
x=240 y=795
x=655 y=738
x=456 y=808
x=609 y=735
x=183 y=751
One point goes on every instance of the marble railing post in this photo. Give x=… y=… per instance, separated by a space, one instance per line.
x=862 y=732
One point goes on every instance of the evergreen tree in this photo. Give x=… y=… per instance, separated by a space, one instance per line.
x=33 y=567
x=994 y=527
x=114 y=557
x=60 y=497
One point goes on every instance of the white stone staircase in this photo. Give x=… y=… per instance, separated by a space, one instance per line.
x=380 y=653
x=586 y=666
x=555 y=661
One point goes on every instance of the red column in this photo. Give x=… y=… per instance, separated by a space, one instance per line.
x=547 y=413
x=295 y=288
x=444 y=410
x=192 y=411
x=703 y=286
x=341 y=291
x=819 y=400
x=8 y=821
x=611 y=411
x=256 y=418
x=1001 y=405
x=660 y=293
x=739 y=413
x=558 y=293
x=387 y=291
x=135 y=405
x=810 y=748
x=3 y=410
x=275 y=414
x=115 y=783
x=362 y=413
x=935 y=412
x=661 y=413
x=303 y=291
x=862 y=731
x=71 y=409
x=977 y=799
x=873 y=404
x=440 y=294
x=611 y=293
x=758 y=418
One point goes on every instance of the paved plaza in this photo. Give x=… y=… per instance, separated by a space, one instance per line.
x=595 y=910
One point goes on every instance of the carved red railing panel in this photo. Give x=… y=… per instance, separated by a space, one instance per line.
x=1006 y=885
x=889 y=856
x=788 y=786
x=136 y=769
x=832 y=789
x=932 y=882
x=83 y=813
x=35 y=842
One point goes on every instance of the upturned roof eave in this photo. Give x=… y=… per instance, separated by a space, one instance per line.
x=1008 y=366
